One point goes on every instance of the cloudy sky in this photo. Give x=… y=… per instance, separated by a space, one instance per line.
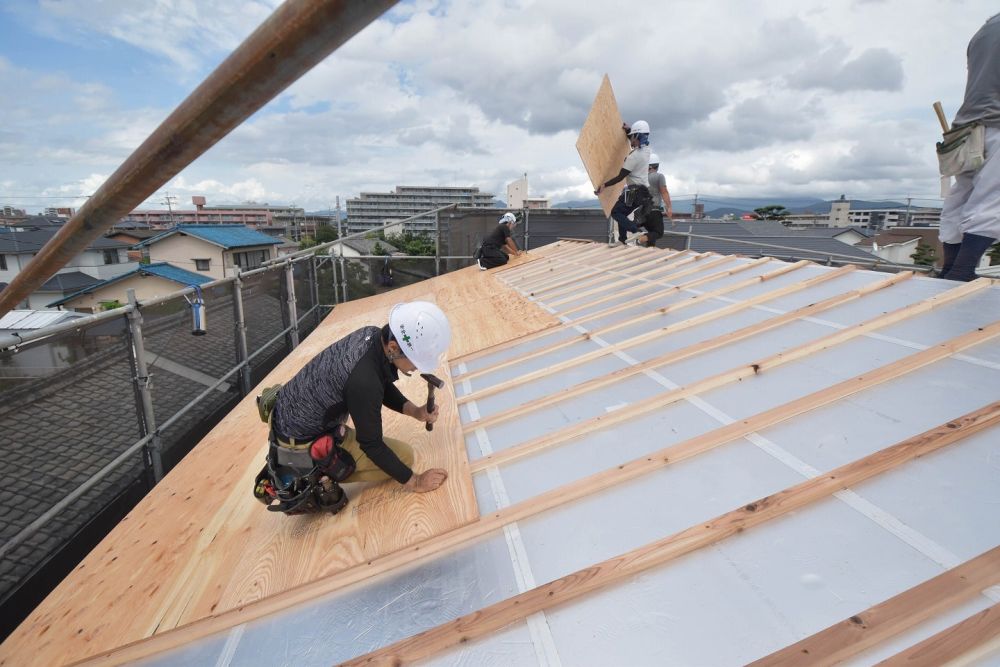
x=775 y=98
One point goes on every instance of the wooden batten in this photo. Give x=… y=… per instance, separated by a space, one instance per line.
x=888 y=619
x=616 y=276
x=658 y=312
x=533 y=506
x=575 y=271
x=614 y=286
x=726 y=377
x=967 y=642
x=618 y=569
x=669 y=357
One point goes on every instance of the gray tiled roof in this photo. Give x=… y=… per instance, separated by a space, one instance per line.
x=31 y=241
x=787 y=245
x=367 y=246
x=71 y=281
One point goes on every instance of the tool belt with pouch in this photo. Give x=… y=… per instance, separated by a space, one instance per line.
x=293 y=481
x=962 y=150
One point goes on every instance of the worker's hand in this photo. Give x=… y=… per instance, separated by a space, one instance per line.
x=422 y=415
x=426 y=481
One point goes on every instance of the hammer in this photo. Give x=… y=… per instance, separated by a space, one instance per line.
x=432 y=382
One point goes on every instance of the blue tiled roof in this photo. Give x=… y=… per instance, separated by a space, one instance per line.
x=226 y=236
x=160 y=269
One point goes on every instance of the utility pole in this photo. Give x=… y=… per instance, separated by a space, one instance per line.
x=908 y=200
x=694 y=211
x=169 y=200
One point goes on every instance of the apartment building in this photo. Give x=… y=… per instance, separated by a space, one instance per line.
x=374 y=209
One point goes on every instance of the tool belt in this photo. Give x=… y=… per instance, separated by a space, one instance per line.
x=962 y=150
x=292 y=481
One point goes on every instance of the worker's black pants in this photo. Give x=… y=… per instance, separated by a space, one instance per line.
x=633 y=198
x=654 y=227
x=491 y=256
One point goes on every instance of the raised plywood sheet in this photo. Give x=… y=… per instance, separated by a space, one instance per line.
x=602 y=144
x=802 y=443
x=199 y=544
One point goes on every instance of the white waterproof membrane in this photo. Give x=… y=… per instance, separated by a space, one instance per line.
x=726 y=603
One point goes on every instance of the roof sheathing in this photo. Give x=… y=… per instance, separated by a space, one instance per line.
x=686 y=413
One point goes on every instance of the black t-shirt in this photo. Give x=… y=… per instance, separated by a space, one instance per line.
x=498 y=236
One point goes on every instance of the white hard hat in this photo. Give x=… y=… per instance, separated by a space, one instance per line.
x=507 y=218
x=653 y=159
x=422 y=331
x=639 y=127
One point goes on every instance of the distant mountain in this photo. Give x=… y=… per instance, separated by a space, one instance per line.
x=579 y=203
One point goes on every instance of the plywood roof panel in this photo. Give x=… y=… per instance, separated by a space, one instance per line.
x=719 y=472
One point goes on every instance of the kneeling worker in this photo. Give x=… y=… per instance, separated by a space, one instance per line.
x=498 y=244
x=312 y=451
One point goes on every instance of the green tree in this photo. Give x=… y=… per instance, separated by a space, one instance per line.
x=325 y=233
x=379 y=249
x=771 y=212
x=994 y=254
x=925 y=255
x=412 y=243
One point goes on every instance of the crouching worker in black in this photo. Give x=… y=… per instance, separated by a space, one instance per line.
x=312 y=451
x=498 y=244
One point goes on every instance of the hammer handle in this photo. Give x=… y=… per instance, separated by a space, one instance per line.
x=939 y=110
x=430 y=405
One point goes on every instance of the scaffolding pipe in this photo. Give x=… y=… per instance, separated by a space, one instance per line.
x=293 y=318
x=297 y=36
x=143 y=384
x=242 y=350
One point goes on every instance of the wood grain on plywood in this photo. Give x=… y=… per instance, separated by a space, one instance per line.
x=557 y=497
x=199 y=544
x=602 y=144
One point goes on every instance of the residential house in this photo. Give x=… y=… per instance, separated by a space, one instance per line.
x=899 y=243
x=758 y=238
x=131 y=237
x=214 y=251
x=148 y=281
x=103 y=259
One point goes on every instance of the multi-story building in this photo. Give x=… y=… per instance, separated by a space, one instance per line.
x=293 y=221
x=517 y=195
x=885 y=218
x=374 y=209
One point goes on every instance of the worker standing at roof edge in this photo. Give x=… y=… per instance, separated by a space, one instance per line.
x=661 y=202
x=970 y=217
x=634 y=199
x=312 y=451
x=498 y=244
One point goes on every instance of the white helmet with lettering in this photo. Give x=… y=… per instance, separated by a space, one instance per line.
x=423 y=333
x=639 y=127
x=508 y=218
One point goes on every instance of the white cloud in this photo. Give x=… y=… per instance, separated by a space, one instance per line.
x=809 y=97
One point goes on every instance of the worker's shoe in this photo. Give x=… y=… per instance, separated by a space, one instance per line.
x=967 y=260
x=479 y=263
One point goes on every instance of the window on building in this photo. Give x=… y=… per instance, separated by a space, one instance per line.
x=111 y=257
x=3 y=262
x=202 y=264
x=251 y=259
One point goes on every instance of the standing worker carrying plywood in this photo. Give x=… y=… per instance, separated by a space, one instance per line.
x=609 y=161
